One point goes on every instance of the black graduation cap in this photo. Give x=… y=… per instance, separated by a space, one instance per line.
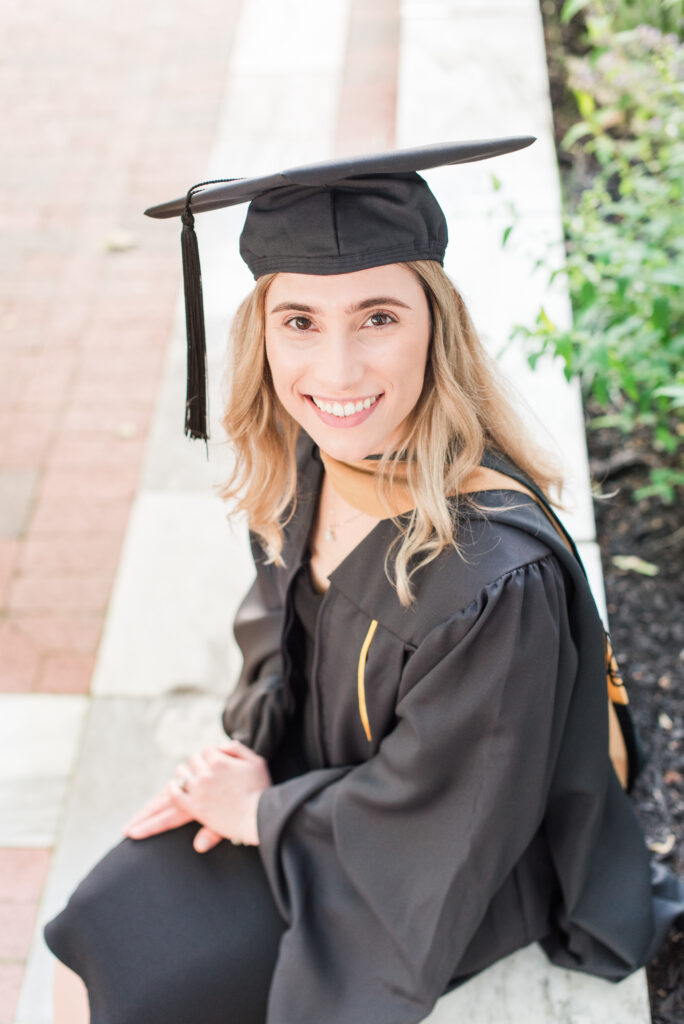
x=325 y=218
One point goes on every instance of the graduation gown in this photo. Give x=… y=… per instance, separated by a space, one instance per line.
x=462 y=802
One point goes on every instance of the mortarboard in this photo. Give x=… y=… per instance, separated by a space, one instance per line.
x=333 y=217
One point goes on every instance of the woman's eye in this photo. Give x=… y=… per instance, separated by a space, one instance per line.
x=300 y=323
x=380 y=319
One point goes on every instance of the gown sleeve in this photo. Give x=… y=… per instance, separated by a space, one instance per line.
x=384 y=869
x=257 y=711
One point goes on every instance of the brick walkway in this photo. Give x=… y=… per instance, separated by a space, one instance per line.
x=107 y=108
x=117 y=108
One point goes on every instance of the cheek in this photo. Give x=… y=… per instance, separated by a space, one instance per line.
x=282 y=371
x=410 y=368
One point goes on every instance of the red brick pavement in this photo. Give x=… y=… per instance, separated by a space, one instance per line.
x=112 y=107
x=107 y=108
x=22 y=876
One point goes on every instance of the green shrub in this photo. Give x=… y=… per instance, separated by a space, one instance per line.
x=622 y=15
x=625 y=236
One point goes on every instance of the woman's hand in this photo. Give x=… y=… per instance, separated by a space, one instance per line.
x=223 y=788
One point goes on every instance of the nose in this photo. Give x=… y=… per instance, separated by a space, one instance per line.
x=341 y=367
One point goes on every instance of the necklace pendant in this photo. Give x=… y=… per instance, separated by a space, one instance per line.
x=329 y=534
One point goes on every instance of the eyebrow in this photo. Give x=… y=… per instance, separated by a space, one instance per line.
x=302 y=307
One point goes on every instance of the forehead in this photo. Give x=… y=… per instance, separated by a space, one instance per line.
x=392 y=280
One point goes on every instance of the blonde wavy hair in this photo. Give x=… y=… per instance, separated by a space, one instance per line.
x=465 y=406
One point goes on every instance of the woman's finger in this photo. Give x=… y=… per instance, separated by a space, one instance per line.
x=206 y=839
x=168 y=818
x=179 y=797
x=237 y=749
x=172 y=817
x=170 y=809
x=153 y=806
x=197 y=765
x=219 y=756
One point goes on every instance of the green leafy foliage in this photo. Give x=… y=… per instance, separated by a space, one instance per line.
x=625 y=233
x=623 y=15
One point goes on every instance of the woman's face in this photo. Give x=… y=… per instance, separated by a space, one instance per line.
x=347 y=354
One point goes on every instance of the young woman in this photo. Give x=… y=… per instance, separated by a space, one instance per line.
x=418 y=778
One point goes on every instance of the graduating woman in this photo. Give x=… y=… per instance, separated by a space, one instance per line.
x=424 y=768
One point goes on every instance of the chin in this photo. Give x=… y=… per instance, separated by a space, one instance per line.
x=345 y=449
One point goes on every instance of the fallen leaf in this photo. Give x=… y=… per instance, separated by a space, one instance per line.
x=664 y=682
x=667 y=846
x=632 y=563
x=125 y=430
x=672 y=777
x=119 y=240
x=665 y=722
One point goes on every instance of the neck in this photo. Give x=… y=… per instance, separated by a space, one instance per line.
x=359 y=484
x=363 y=486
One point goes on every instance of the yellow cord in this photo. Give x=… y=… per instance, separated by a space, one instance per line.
x=361 y=671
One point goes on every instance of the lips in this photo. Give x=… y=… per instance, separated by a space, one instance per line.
x=340 y=418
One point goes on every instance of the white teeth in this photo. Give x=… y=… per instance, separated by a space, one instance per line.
x=348 y=409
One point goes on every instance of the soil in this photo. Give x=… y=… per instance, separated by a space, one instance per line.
x=646 y=612
x=647 y=631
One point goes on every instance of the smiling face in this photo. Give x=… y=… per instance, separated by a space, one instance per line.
x=347 y=354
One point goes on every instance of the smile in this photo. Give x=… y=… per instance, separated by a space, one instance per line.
x=344 y=409
x=345 y=414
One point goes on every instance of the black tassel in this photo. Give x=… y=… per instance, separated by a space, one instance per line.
x=196 y=396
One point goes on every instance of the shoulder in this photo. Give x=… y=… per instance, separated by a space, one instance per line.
x=494 y=559
x=500 y=534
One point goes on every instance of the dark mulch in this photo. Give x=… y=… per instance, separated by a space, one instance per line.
x=647 y=630
x=646 y=612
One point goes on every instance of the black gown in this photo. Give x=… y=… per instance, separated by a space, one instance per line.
x=162 y=934
x=443 y=798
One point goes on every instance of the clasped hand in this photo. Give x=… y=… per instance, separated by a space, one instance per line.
x=223 y=786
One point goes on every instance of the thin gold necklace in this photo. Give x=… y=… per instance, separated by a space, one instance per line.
x=329 y=533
